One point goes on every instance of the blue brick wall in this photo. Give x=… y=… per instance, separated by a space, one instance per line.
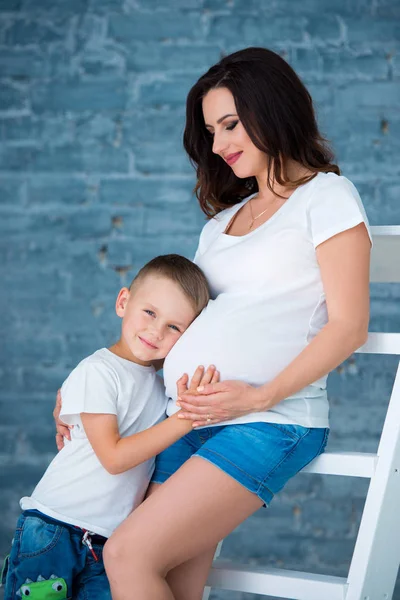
x=94 y=181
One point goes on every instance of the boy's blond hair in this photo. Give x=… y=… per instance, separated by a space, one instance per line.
x=182 y=271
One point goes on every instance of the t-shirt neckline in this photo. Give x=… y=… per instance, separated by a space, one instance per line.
x=280 y=210
x=127 y=362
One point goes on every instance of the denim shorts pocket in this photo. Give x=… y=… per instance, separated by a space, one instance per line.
x=38 y=537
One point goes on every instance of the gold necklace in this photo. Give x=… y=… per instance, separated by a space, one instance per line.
x=253 y=218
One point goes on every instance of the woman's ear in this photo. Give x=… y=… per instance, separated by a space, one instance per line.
x=122 y=301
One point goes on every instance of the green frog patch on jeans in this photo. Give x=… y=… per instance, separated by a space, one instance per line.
x=54 y=588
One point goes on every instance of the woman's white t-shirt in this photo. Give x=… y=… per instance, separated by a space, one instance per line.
x=268 y=298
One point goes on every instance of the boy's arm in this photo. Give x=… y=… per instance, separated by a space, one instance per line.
x=118 y=454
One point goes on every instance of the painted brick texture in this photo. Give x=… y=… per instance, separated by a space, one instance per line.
x=94 y=182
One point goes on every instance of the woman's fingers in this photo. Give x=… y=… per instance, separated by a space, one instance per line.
x=206 y=418
x=204 y=423
x=218 y=402
x=211 y=388
x=63 y=430
x=188 y=407
x=201 y=420
x=201 y=392
x=57 y=408
x=59 y=441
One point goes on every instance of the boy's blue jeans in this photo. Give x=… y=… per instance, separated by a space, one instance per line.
x=48 y=561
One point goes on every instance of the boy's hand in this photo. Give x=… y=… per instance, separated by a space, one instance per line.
x=63 y=430
x=200 y=378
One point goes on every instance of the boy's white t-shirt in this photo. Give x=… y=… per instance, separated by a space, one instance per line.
x=76 y=488
x=268 y=298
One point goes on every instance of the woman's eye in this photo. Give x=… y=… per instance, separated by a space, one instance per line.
x=175 y=328
x=229 y=127
x=149 y=312
x=232 y=125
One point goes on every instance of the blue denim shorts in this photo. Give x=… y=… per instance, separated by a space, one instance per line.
x=49 y=560
x=261 y=456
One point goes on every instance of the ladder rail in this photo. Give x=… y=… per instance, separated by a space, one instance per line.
x=386 y=246
x=276 y=582
x=381 y=343
x=376 y=555
x=349 y=464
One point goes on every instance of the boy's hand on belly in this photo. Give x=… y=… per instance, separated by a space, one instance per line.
x=218 y=402
x=201 y=377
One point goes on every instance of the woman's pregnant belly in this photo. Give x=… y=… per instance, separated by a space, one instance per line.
x=252 y=343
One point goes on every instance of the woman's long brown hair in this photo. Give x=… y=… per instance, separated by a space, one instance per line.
x=277 y=112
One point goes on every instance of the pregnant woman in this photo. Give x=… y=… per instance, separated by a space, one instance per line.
x=286 y=252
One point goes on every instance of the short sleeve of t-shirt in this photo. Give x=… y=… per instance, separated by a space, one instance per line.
x=92 y=388
x=334 y=206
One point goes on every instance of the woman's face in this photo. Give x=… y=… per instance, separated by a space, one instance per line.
x=230 y=139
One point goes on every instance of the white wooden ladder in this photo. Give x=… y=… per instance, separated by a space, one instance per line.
x=376 y=556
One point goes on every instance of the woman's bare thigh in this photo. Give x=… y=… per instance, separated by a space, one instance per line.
x=187 y=580
x=184 y=517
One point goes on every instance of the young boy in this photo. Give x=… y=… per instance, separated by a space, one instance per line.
x=116 y=404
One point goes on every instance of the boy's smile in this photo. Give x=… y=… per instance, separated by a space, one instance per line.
x=155 y=313
x=148 y=344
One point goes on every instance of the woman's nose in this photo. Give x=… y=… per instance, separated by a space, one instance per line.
x=219 y=145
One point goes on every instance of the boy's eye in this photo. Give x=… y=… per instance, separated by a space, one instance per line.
x=175 y=328
x=149 y=312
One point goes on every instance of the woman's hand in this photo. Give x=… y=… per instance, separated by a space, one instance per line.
x=218 y=402
x=63 y=430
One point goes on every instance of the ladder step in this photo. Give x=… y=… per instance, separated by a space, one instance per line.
x=381 y=343
x=276 y=582
x=352 y=464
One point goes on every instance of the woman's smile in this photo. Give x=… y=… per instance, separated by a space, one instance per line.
x=232 y=158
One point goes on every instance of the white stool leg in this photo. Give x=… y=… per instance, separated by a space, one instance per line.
x=207 y=589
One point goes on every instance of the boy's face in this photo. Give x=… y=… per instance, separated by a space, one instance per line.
x=154 y=314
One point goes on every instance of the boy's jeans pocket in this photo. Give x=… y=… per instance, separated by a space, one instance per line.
x=37 y=537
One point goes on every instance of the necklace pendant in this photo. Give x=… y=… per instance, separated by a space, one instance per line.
x=251 y=225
